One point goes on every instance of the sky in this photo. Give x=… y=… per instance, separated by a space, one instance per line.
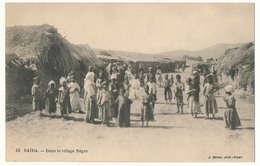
x=146 y=28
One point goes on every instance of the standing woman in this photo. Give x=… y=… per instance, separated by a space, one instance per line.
x=51 y=95
x=231 y=117
x=90 y=96
x=74 y=95
x=210 y=101
x=192 y=105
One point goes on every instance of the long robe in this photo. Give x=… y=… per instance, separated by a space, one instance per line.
x=64 y=100
x=90 y=100
x=231 y=116
x=51 y=95
x=123 y=110
x=192 y=105
x=38 y=100
x=104 y=104
x=74 y=96
x=147 y=109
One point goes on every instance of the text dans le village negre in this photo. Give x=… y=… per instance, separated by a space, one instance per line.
x=69 y=151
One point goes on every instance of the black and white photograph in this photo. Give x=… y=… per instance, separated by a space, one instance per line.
x=129 y=82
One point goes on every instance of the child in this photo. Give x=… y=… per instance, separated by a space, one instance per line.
x=136 y=86
x=171 y=80
x=64 y=98
x=210 y=102
x=51 y=95
x=124 y=104
x=147 y=109
x=37 y=94
x=167 y=90
x=104 y=100
x=153 y=93
x=231 y=117
x=178 y=88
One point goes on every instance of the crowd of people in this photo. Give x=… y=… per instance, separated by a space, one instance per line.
x=106 y=95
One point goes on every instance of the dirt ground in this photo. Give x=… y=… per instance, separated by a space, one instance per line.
x=171 y=137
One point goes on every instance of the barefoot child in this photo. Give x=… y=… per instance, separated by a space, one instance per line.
x=178 y=88
x=147 y=106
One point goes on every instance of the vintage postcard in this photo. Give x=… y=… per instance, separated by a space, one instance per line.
x=131 y=82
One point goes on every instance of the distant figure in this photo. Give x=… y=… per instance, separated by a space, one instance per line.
x=150 y=74
x=183 y=67
x=147 y=106
x=51 y=95
x=178 y=89
x=37 y=94
x=171 y=80
x=167 y=90
x=64 y=98
x=136 y=86
x=159 y=76
x=231 y=117
x=210 y=102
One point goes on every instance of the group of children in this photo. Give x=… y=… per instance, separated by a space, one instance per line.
x=106 y=100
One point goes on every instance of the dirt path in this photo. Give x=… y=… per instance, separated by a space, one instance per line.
x=171 y=137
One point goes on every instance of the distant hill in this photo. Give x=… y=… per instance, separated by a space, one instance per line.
x=215 y=51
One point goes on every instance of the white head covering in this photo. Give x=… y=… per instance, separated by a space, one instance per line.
x=52 y=82
x=229 y=88
x=62 y=79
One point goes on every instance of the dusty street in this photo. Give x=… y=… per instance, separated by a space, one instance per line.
x=171 y=137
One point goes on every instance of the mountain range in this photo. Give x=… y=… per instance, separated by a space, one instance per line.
x=215 y=51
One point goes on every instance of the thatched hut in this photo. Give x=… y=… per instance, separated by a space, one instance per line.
x=42 y=51
x=239 y=62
